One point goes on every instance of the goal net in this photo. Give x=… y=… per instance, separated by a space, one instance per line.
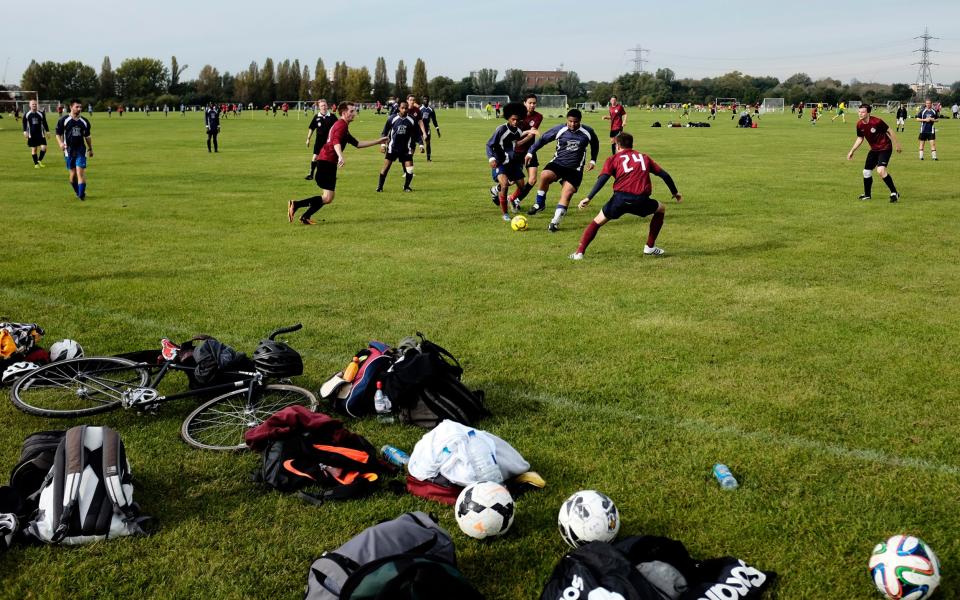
x=589 y=106
x=476 y=105
x=18 y=101
x=771 y=105
x=552 y=105
x=855 y=104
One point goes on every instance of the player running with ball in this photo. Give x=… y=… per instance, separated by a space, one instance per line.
x=506 y=168
x=631 y=194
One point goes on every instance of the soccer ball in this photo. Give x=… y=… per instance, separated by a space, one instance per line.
x=519 y=223
x=65 y=350
x=484 y=509
x=588 y=516
x=905 y=568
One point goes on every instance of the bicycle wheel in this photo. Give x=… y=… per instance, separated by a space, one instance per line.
x=221 y=423
x=77 y=387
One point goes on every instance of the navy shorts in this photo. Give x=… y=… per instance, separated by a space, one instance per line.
x=513 y=171
x=877 y=158
x=927 y=137
x=615 y=132
x=533 y=161
x=565 y=174
x=622 y=203
x=75 y=161
x=326 y=176
x=403 y=158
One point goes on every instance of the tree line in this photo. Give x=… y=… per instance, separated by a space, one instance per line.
x=139 y=81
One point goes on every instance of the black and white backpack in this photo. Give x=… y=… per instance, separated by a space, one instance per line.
x=88 y=493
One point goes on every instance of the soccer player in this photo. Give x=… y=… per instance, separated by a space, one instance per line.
x=530 y=127
x=212 y=121
x=413 y=109
x=507 y=170
x=631 y=194
x=928 y=130
x=814 y=112
x=428 y=114
x=36 y=130
x=713 y=112
x=320 y=124
x=573 y=140
x=686 y=111
x=618 y=120
x=956 y=110
x=286 y=108
x=73 y=136
x=819 y=110
x=841 y=112
x=879 y=136
x=329 y=159
x=902 y=118
x=401 y=132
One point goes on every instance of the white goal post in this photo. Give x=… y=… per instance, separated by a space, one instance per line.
x=772 y=105
x=589 y=106
x=18 y=99
x=476 y=105
x=552 y=105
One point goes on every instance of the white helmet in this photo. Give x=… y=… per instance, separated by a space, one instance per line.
x=8 y=527
x=65 y=350
x=16 y=371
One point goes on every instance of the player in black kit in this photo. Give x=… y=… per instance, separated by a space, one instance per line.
x=320 y=125
x=35 y=129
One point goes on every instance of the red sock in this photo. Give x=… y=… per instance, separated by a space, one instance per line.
x=588 y=234
x=503 y=202
x=655 y=224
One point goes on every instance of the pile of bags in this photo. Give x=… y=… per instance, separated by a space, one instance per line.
x=20 y=350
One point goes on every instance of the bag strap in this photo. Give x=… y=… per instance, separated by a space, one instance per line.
x=431 y=346
x=359 y=488
x=67 y=472
x=114 y=463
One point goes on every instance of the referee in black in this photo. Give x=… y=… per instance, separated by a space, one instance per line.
x=212 y=120
x=320 y=125
x=35 y=129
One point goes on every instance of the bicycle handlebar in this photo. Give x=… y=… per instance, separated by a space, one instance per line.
x=283 y=330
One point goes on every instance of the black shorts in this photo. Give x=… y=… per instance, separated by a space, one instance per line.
x=513 y=170
x=326 y=175
x=317 y=145
x=534 y=161
x=877 y=158
x=927 y=137
x=403 y=158
x=615 y=132
x=623 y=203
x=565 y=174
x=36 y=141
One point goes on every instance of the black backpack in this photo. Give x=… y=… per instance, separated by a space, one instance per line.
x=36 y=458
x=425 y=388
x=216 y=363
x=409 y=577
x=594 y=568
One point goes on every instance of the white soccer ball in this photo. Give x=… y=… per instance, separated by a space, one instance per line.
x=588 y=516
x=905 y=568
x=16 y=371
x=484 y=509
x=65 y=350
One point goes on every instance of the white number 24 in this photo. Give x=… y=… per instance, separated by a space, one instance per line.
x=635 y=158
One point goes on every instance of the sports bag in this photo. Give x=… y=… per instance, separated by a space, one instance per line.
x=217 y=363
x=409 y=577
x=88 y=493
x=36 y=458
x=355 y=397
x=415 y=533
x=599 y=570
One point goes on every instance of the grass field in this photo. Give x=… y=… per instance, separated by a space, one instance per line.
x=808 y=340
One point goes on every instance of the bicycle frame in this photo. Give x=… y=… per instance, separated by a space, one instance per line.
x=148 y=396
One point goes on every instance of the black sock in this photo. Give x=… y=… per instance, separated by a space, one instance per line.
x=613 y=148
x=867 y=184
x=75 y=186
x=316 y=203
x=889 y=181
x=383 y=178
x=208 y=144
x=34 y=157
x=406 y=180
x=524 y=190
x=215 y=148
x=42 y=154
x=313 y=167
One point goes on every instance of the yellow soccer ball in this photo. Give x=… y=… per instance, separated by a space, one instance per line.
x=519 y=223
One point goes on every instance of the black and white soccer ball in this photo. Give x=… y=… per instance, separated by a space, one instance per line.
x=588 y=516
x=15 y=371
x=65 y=350
x=484 y=509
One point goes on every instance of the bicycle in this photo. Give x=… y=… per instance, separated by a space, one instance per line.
x=91 y=385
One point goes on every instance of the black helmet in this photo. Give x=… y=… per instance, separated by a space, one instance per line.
x=276 y=359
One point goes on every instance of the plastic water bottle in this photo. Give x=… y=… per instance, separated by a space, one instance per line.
x=724 y=477
x=395 y=456
x=382 y=404
x=484 y=463
x=350 y=373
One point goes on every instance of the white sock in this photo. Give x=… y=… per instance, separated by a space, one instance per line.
x=921 y=155
x=558 y=214
x=933 y=154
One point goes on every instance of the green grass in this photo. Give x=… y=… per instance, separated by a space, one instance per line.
x=807 y=339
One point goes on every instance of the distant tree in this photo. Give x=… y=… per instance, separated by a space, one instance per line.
x=209 y=84
x=400 y=87
x=485 y=81
x=268 y=81
x=321 y=82
x=444 y=89
x=108 y=84
x=901 y=92
x=515 y=81
x=141 y=78
x=40 y=77
x=601 y=92
x=801 y=79
x=77 y=80
x=228 y=87
x=665 y=75
x=303 y=93
x=381 y=84
x=569 y=84
x=247 y=86
x=285 y=89
x=358 y=85
x=295 y=75
x=341 y=73
x=421 y=87
x=175 y=71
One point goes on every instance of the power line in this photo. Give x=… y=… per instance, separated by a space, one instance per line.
x=638 y=58
x=924 y=78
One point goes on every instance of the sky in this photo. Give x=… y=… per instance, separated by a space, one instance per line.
x=850 y=39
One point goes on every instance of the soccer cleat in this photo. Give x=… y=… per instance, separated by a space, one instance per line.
x=290 y=211
x=495 y=193
x=43 y=166
x=309 y=177
x=863 y=197
x=506 y=218
x=576 y=256
x=895 y=197
x=306 y=221
x=655 y=251
x=515 y=203
x=553 y=227
x=535 y=209
x=406 y=189
x=36 y=165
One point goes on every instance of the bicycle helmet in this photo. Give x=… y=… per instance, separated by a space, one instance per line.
x=16 y=371
x=276 y=359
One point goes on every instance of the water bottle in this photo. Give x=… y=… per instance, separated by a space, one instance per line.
x=483 y=461
x=350 y=373
x=395 y=456
x=724 y=477
x=382 y=404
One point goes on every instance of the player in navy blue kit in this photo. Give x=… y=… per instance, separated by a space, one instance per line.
x=35 y=129
x=402 y=133
x=928 y=131
x=507 y=168
x=73 y=136
x=427 y=114
x=211 y=119
x=320 y=124
x=573 y=141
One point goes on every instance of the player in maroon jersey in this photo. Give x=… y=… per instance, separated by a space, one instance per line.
x=618 y=120
x=631 y=194
x=881 y=141
x=529 y=125
x=329 y=159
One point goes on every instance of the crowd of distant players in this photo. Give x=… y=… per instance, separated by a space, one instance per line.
x=512 y=152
